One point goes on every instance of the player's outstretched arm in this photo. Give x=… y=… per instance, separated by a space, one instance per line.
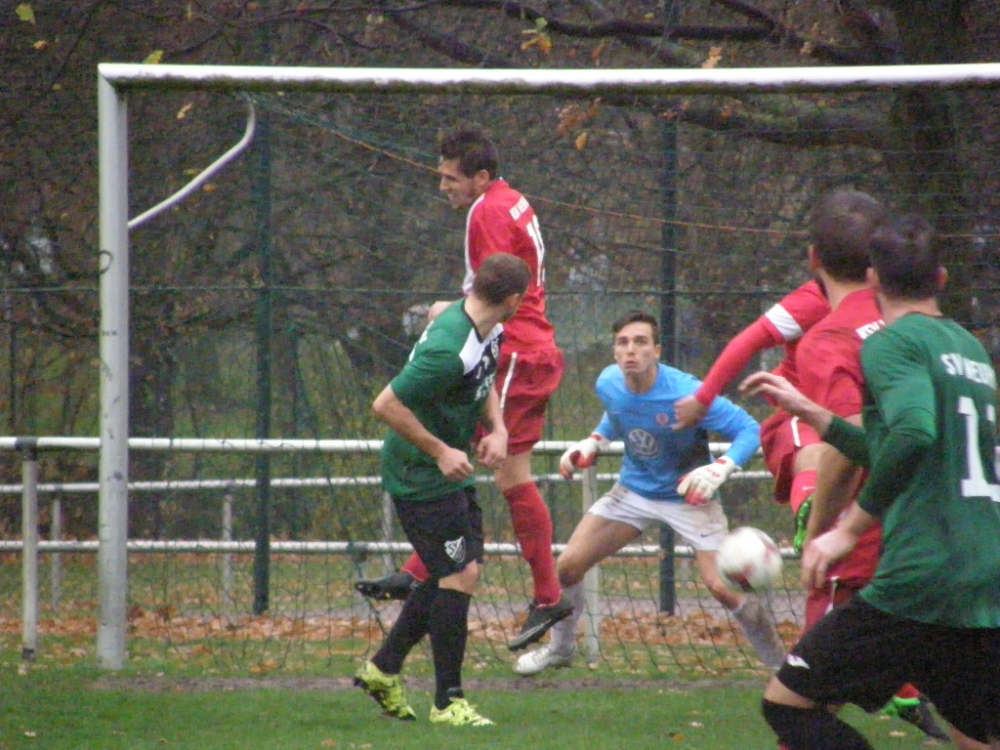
x=786 y=396
x=783 y=323
x=752 y=340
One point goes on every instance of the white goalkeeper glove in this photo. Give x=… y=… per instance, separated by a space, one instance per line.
x=699 y=486
x=583 y=454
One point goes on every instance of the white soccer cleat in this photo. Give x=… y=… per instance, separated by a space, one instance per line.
x=541 y=659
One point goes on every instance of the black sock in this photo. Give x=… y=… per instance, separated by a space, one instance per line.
x=409 y=628
x=448 y=626
x=811 y=728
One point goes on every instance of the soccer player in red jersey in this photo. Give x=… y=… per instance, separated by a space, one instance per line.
x=932 y=611
x=500 y=219
x=829 y=373
x=790 y=448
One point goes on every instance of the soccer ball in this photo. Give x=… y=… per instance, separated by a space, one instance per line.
x=749 y=560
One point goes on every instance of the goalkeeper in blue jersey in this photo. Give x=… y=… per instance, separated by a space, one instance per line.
x=667 y=476
x=929 y=441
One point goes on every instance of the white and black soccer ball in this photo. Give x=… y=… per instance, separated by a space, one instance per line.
x=749 y=560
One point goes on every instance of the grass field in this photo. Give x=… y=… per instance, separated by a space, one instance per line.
x=77 y=707
x=198 y=677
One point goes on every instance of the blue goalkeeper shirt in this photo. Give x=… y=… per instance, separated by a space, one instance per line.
x=656 y=457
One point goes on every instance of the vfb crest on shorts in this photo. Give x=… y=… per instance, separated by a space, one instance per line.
x=455 y=549
x=642 y=443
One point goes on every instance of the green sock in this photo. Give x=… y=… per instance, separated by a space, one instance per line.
x=801 y=524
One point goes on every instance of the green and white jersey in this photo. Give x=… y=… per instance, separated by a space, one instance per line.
x=931 y=381
x=445 y=384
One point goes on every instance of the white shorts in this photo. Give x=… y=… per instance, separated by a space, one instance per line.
x=703 y=526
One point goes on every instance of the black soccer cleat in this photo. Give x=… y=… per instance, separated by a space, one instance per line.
x=540 y=619
x=918 y=713
x=396 y=585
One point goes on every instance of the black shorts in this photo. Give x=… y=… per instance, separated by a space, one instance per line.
x=447 y=534
x=859 y=654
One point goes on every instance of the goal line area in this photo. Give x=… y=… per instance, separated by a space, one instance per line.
x=190 y=598
x=285 y=286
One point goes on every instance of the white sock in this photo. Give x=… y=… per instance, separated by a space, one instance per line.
x=760 y=631
x=564 y=631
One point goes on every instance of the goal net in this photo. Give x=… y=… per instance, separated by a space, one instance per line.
x=283 y=294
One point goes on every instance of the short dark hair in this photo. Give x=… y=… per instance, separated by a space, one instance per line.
x=906 y=255
x=637 y=316
x=473 y=148
x=840 y=230
x=500 y=276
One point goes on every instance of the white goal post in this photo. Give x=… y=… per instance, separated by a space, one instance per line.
x=115 y=80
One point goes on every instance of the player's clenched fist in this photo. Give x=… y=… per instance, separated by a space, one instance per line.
x=581 y=455
x=699 y=486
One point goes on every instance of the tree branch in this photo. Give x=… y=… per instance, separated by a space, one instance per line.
x=766 y=28
x=450 y=45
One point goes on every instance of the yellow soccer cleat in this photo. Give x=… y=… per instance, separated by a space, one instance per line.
x=460 y=713
x=387 y=690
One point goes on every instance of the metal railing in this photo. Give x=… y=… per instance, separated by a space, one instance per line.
x=31 y=546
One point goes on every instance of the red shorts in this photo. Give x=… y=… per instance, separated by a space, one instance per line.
x=847 y=576
x=781 y=435
x=525 y=385
x=821 y=601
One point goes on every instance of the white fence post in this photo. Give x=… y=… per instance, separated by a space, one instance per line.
x=591 y=580
x=55 y=558
x=113 y=270
x=29 y=556
x=228 y=604
x=387 y=563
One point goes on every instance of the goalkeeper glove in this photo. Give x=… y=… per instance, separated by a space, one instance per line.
x=699 y=486
x=802 y=524
x=581 y=455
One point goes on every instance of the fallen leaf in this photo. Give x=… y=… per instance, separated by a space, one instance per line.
x=154 y=57
x=714 y=56
x=25 y=13
x=184 y=110
x=40 y=44
x=580 y=142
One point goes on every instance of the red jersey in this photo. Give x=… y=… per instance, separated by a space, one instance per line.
x=502 y=221
x=797 y=312
x=830 y=353
x=784 y=323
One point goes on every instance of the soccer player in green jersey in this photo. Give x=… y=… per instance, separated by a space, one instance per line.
x=433 y=407
x=929 y=441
